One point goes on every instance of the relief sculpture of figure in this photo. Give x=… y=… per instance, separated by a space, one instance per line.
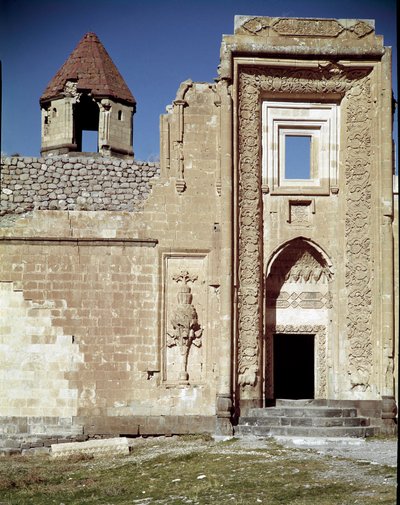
x=185 y=327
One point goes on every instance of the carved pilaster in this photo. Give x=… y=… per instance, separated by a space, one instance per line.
x=359 y=264
x=217 y=90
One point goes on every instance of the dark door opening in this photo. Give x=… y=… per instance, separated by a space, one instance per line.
x=294 y=366
x=86 y=118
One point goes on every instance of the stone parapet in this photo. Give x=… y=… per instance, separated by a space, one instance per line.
x=74 y=183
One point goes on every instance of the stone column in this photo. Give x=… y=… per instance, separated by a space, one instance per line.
x=104 y=126
x=180 y=179
x=68 y=125
x=224 y=388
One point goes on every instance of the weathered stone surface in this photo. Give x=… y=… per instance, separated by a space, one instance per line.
x=47 y=185
x=97 y=448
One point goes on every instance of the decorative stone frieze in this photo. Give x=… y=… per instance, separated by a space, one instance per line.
x=303 y=27
x=308 y=27
x=304 y=300
x=96 y=448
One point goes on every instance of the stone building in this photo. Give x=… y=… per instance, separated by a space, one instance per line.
x=141 y=298
x=87 y=94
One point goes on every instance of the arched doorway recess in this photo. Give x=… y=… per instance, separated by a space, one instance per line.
x=298 y=306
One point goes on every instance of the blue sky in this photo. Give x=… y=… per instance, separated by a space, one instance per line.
x=155 y=44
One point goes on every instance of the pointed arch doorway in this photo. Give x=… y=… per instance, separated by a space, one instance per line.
x=298 y=304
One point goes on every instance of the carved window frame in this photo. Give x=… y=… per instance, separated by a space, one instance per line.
x=320 y=121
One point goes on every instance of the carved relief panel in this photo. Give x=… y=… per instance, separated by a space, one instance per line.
x=184 y=328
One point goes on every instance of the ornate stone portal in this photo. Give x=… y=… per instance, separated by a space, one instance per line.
x=353 y=87
x=342 y=205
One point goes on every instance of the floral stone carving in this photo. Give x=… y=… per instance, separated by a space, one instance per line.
x=186 y=330
x=359 y=263
x=308 y=27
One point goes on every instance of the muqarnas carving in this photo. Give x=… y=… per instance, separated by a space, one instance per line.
x=186 y=330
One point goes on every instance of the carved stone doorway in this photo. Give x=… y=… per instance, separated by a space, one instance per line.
x=294 y=369
x=298 y=309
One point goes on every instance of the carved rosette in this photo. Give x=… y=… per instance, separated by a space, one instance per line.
x=359 y=265
x=253 y=80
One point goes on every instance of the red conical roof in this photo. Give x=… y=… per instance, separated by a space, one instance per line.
x=91 y=67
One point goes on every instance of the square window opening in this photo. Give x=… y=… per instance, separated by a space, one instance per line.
x=297 y=157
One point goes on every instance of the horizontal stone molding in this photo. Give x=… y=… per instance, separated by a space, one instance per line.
x=95 y=241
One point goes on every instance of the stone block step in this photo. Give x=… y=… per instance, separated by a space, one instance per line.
x=302 y=431
x=304 y=421
x=302 y=412
x=102 y=447
x=304 y=403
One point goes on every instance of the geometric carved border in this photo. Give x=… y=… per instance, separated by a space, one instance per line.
x=321 y=367
x=332 y=79
x=306 y=300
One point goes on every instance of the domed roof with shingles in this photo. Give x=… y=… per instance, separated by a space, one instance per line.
x=90 y=66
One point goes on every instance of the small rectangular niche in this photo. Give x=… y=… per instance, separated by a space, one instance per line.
x=298 y=157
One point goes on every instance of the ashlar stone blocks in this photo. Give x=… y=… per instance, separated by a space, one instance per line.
x=97 y=448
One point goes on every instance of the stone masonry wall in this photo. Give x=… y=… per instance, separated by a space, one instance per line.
x=74 y=183
x=98 y=290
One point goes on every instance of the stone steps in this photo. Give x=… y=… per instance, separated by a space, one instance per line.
x=306 y=418
x=302 y=412
x=321 y=422
x=301 y=431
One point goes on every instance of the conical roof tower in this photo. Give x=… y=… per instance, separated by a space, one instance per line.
x=87 y=94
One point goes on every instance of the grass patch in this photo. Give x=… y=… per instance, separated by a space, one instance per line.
x=382 y=436
x=204 y=475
